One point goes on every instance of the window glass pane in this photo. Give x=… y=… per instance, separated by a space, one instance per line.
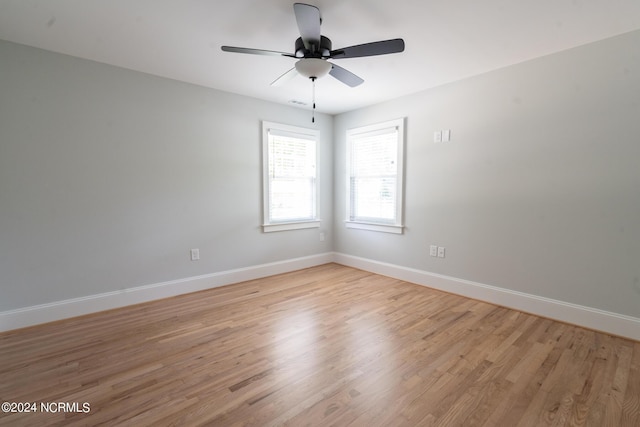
x=373 y=184
x=292 y=199
x=374 y=198
x=292 y=177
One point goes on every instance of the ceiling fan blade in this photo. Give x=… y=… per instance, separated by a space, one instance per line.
x=308 y=19
x=345 y=76
x=369 y=49
x=286 y=77
x=255 y=51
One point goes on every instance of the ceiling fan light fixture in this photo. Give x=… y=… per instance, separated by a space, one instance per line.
x=313 y=67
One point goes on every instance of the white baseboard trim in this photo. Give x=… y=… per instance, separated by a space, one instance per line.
x=592 y=318
x=43 y=313
x=587 y=317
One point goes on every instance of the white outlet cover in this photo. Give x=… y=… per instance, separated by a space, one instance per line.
x=440 y=252
x=433 y=250
x=446 y=135
x=195 y=254
x=437 y=136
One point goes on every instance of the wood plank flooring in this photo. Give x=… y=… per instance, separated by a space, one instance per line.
x=329 y=345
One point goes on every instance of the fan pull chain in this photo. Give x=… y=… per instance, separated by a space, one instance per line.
x=313 y=96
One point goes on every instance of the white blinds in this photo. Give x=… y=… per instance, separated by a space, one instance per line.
x=373 y=176
x=292 y=177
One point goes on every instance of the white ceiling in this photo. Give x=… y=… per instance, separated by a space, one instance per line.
x=446 y=40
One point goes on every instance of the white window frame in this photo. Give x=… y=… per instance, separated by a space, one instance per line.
x=268 y=224
x=396 y=226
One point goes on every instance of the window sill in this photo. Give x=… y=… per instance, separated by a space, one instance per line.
x=384 y=228
x=284 y=226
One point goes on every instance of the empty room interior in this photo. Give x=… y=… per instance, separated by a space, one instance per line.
x=335 y=213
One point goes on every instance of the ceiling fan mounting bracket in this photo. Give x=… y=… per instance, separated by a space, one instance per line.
x=322 y=51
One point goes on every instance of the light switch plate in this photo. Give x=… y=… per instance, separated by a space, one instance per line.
x=446 y=135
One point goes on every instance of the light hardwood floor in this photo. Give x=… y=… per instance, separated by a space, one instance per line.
x=329 y=345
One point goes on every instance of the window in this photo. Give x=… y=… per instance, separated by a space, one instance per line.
x=375 y=181
x=290 y=177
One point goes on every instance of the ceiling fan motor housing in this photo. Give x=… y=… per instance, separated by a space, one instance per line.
x=322 y=51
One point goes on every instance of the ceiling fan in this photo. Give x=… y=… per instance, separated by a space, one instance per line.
x=313 y=51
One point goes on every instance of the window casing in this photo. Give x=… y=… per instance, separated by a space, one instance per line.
x=375 y=183
x=290 y=177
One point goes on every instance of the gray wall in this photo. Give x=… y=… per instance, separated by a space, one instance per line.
x=539 y=189
x=108 y=177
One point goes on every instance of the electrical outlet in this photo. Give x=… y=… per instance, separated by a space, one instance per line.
x=195 y=254
x=440 y=252
x=446 y=135
x=322 y=237
x=437 y=136
x=433 y=250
